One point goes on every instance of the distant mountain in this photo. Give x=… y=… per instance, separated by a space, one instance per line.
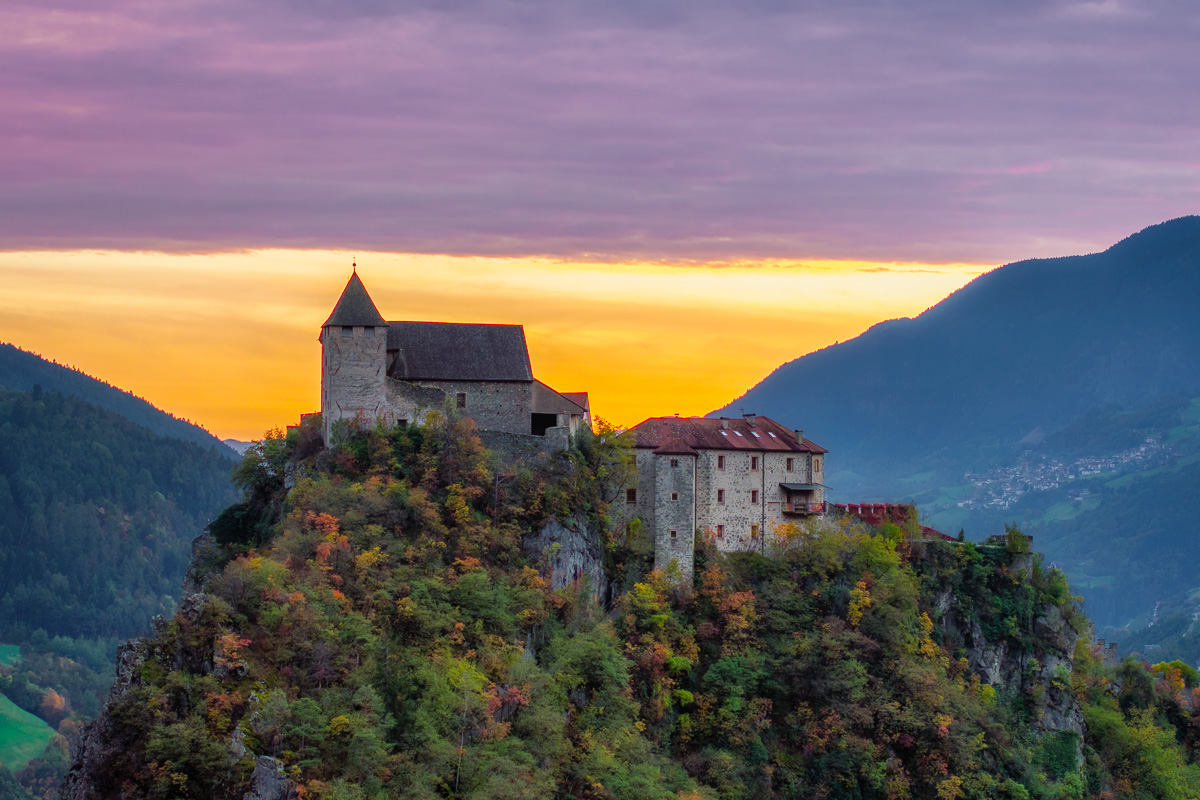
x=1027 y=397
x=23 y=370
x=1028 y=346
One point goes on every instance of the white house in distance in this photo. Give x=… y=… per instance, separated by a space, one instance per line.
x=734 y=478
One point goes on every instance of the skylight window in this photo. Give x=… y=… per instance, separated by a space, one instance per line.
x=755 y=434
x=773 y=436
x=724 y=433
x=739 y=433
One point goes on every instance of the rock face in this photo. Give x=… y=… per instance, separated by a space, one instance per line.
x=1041 y=671
x=268 y=781
x=573 y=550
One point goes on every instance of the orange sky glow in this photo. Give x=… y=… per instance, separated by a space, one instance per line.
x=229 y=340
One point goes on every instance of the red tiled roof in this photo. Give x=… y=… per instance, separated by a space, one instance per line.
x=685 y=435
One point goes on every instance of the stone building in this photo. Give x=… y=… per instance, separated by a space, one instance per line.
x=736 y=479
x=398 y=372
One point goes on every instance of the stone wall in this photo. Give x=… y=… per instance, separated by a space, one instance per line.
x=411 y=402
x=674 y=498
x=514 y=447
x=352 y=376
x=494 y=405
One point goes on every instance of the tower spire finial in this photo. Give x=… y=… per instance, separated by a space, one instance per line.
x=354 y=266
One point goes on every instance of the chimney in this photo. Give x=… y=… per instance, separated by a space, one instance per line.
x=724 y=424
x=750 y=418
x=799 y=436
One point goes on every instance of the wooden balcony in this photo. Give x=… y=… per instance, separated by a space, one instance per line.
x=803 y=508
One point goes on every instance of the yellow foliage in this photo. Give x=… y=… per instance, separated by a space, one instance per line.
x=860 y=600
x=950 y=789
x=368 y=559
x=339 y=726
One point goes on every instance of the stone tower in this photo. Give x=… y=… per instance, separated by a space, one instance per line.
x=353 y=359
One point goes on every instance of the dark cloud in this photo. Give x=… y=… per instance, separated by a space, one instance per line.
x=938 y=130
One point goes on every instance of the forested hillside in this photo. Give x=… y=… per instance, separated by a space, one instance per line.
x=97 y=515
x=379 y=631
x=22 y=371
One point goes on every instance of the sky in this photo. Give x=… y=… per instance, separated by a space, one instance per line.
x=673 y=197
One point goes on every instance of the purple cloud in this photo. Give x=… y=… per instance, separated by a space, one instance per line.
x=936 y=130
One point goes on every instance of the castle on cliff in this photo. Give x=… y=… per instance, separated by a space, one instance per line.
x=397 y=372
x=734 y=479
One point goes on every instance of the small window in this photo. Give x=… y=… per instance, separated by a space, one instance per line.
x=753 y=462
x=720 y=495
x=720 y=462
x=347 y=330
x=370 y=332
x=753 y=531
x=631 y=497
x=674 y=497
x=460 y=399
x=790 y=463
x=674 y=535
x=817 y=463
x=674 y=462
x=402 y=423
x=754 y=495
x=720 y=531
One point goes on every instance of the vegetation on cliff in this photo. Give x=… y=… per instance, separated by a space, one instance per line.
x=377 y=630
x=96 y=519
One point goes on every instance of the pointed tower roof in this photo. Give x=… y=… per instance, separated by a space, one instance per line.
x=355 y=307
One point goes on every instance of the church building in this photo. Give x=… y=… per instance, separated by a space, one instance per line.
x=398 y=372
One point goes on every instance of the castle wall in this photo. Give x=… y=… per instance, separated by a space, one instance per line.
x=411 y=402
x=513 y=447
x=730 y=517
x=352 y=377
x=674 y=501
x=494 y=405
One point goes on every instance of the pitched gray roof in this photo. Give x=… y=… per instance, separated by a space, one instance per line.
x=452 y=351
x=355 y=307
x=548 y=401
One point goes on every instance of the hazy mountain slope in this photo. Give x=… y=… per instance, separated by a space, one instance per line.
x=96 y=516
x=23 y=370
x=1032 y=344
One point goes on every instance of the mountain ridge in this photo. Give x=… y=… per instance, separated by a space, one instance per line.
x=906 y=383
x=22 y=370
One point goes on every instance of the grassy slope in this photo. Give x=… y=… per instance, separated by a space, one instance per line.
x=22 y=735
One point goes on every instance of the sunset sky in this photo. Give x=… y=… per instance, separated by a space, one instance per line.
x=672 y=197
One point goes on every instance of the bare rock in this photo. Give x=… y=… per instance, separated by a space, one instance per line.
x=269 y=782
